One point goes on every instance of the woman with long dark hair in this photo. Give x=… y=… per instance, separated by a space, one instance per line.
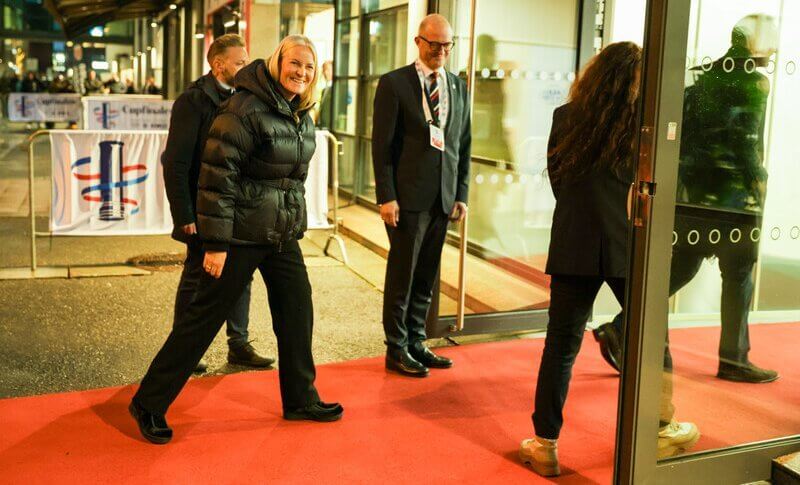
x=590 y=164
x=251 y=212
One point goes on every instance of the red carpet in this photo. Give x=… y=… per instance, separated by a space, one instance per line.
x=461 y=425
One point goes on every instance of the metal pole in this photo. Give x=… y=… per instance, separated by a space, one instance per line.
x=336 y=149
x=462 y=276
x=31 y=199
x=462 y=249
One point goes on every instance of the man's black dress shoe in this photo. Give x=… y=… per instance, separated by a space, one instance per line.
x=400 y=361
x=610 y=342
x=319 y=411
x=426 y=357
x=745 y=372
x=246 y=355
x=152 y=426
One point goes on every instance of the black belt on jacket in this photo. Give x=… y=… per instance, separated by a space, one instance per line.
x=284 y=183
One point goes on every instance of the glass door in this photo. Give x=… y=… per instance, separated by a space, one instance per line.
x=711 y=386
x=520 y=69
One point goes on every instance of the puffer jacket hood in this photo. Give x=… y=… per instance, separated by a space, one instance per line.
x=255 y=78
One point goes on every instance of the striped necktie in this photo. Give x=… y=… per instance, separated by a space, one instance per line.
x=434 y=96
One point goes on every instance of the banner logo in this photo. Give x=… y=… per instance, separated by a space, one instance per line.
x=104 y=115
x=23 y=106
x=114 y=178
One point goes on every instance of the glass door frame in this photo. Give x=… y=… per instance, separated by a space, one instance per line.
x=666 y=33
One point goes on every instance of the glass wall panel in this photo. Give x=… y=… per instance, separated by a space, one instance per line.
x=524 y=66
x=347 y=48
x=369 y=94
x=367 y=180
x=376 y=5
x=735 y=266
x=347 y=8
x=386 y=49
x=347 y=162
x=344 y=106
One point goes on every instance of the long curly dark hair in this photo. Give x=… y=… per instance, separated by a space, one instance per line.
x=601 y=122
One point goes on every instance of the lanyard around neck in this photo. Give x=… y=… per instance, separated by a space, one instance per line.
x=425 y=101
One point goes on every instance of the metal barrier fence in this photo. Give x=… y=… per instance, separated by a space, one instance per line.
x=34 y=271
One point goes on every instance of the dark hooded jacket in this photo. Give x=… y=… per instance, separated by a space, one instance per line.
x=722 y=142
x=254 y=165
x=191 y=118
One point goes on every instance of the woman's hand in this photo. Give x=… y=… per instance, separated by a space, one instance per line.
x=214 y=261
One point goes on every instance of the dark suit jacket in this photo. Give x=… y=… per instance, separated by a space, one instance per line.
x=192 y=114
x=589 y=235
x=407 y=168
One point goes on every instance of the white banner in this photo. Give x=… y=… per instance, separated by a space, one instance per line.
x=44 y=107
x=108 y=183
x=126 y=113
x=317 y=185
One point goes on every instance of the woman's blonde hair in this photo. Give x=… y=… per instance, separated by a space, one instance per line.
x=307 y=99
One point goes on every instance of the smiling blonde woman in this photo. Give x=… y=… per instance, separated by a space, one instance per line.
x=251 y=213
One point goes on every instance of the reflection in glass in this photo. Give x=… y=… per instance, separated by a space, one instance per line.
x=732 y=256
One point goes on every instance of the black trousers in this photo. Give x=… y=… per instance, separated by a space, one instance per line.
x=191 y=277
x=736 y=269
x=289 y=294
x=414 y=256
x=571 y=300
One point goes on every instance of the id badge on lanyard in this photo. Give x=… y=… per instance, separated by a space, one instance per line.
x=436 y=133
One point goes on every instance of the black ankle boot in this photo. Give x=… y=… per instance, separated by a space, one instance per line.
x=152 y=426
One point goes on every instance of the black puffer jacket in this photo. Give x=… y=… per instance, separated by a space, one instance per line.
x=254 y=165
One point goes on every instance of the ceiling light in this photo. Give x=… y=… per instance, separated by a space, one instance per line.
x=172 y=6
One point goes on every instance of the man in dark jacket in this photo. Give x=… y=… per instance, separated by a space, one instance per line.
x=192 y=115
x=31 y=84
x=721 y=191
x=420 y=153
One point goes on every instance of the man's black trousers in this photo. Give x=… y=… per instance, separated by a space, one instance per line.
x=289 y=295
x=414 y=255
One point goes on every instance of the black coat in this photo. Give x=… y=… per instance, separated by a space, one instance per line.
x=192 y=115
x=31 y=85
x=254 y=165
x=589 y=234
x=407 y=168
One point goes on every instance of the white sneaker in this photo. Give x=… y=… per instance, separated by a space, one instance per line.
x=542 y=455
x=676 y=438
